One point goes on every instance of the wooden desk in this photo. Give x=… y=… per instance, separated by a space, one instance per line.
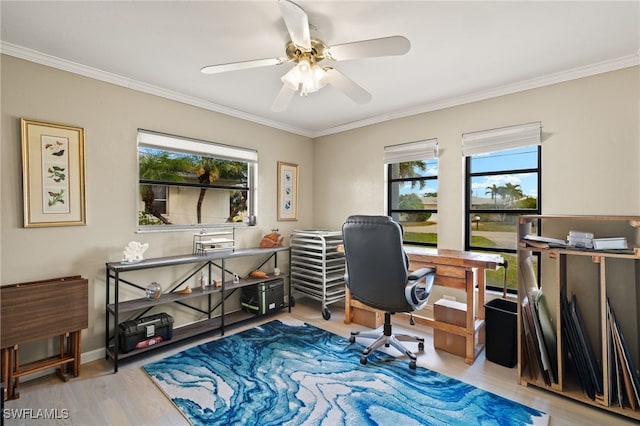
x=462 y=270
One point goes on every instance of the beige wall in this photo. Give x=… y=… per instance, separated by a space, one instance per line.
x=590 y=154
x=590 y=165
x=111 y=116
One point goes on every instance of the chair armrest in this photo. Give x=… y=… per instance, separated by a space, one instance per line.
x=420 y=273
x=418 y=288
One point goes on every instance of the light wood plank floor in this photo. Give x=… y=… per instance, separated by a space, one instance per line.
x=99 y=397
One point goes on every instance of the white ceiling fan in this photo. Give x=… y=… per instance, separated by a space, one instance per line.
x=306 y=52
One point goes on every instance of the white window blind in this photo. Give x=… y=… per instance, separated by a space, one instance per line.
x=411 y=151
x=150 y=139
x=501 y=139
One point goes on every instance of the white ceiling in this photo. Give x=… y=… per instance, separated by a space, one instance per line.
x=460 y=51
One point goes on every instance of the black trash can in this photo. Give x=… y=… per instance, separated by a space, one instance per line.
x=501 y=332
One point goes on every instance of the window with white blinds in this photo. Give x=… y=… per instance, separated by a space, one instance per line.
x=503 y=180
x=412 y=189
x=501 y=139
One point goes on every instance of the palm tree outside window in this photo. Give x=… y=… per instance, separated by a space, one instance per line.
x=500 y=185
x=184 y=183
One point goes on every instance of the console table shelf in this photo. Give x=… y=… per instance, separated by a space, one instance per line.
x=188 y=331
x=144 y=303
x=115 y=307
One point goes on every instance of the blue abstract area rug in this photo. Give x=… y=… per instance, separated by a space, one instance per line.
x=277 y=374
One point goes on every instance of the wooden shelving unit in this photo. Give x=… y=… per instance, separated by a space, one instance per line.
x=594 y=277
x=217 y=259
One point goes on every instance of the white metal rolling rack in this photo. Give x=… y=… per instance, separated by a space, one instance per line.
x=317 y=267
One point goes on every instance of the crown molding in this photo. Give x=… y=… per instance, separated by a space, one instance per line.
x=559 y=77
x=534 y=83
x=107 y=77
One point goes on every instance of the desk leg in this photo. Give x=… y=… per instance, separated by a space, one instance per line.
x=482 y=289
x=347 y=305
x=481 y=292
x=470 y=325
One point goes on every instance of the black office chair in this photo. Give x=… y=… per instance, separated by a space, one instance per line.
x=377 y=276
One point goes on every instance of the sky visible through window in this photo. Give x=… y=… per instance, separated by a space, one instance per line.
x=514 y=159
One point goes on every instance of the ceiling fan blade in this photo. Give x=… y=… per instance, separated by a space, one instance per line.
x=386 y=46
x=347 y=86
x=235 y=66
x=297 y=22
x=284 y=97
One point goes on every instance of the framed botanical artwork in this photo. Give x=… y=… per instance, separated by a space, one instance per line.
x=53 y=174
x=287 y=191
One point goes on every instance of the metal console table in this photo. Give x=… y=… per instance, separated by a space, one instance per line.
x=115 y=307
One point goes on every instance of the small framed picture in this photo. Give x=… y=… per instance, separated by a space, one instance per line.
x=53 y=174
x=287 y=191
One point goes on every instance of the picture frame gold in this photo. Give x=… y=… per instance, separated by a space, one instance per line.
x=53 y=174
x=287 y=191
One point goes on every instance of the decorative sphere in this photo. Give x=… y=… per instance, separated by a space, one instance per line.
x=153 y=291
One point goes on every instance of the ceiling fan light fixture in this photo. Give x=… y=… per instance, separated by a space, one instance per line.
x=304 y=66
x=292 y=78
x=306 y=77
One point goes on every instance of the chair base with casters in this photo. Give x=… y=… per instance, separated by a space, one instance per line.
x=387 y=338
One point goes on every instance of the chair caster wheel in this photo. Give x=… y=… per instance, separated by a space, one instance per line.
x=363 y=360
x=412 y=365
x=421 y=346
x=352 y=339
x=292 y=302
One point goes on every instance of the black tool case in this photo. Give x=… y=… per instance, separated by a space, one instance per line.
x=139 y=330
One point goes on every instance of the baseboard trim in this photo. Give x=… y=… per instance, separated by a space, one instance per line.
x=93 y=355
